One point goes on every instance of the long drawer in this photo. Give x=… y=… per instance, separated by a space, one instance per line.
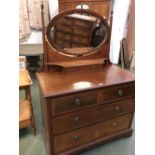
x=63 y=28
x=82 y=40
x=83 y=24
x=76 y=120
x=82 y=136
x=74 y=102
x=81 y=32
x=65 y=36
x=117 y=92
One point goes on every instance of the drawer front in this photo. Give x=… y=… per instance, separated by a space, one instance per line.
x=84 y=118
x=84 y=24
x=75 y=102
x=65 y=36
x=82 y=32
x=66 y=21
x=81 y=40
x=91 y=133
x=117 y=92
x=63 y=44
x=63 y=28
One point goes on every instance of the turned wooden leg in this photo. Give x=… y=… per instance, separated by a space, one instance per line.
x=33 y=125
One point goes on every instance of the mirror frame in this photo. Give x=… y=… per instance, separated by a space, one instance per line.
x=64 y=52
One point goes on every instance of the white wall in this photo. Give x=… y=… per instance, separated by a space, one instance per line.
x=53 y=8
x=120 y=14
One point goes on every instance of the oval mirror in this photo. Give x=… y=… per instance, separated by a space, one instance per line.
x=77 y=32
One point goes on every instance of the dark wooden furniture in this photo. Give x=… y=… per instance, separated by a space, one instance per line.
x=75 y=31
x=80 y=111
x=85 y=100
x=26 y=116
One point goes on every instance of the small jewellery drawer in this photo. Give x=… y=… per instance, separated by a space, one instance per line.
x=117 y=92
x=91 y=133
x=74 y=102
x=76 y=120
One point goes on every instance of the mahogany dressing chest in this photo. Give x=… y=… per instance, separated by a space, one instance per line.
x=85 y=100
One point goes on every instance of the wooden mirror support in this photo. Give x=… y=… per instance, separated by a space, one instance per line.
x=74 y=58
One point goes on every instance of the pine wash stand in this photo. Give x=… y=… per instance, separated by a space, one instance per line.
x=85 y=100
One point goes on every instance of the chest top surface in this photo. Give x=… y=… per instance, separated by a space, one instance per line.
x=59 y=83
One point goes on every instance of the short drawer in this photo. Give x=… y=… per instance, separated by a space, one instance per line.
x=76 y=120
x=82 y=136
x=82 y=32
x=117 y=92
x=75 y=102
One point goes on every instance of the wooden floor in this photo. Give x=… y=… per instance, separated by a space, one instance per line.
x=34 y=145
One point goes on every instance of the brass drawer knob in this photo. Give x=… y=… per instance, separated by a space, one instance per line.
x=114 y=125
x=77 y=102
x=76 y=119
x=76 y=138
x=117 y=108
x=120 y=92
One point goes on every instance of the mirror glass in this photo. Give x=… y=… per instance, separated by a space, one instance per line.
x=77 y=32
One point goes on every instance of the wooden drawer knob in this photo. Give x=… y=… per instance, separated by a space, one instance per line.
x=77 y=102
x=114 y=125
x=76 y=119
x=117 y=108
x=74 y=68
x=120 y=92
x=76 y=138
x=93 y=67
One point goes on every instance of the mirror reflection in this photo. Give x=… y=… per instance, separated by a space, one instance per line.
x=77 y=33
